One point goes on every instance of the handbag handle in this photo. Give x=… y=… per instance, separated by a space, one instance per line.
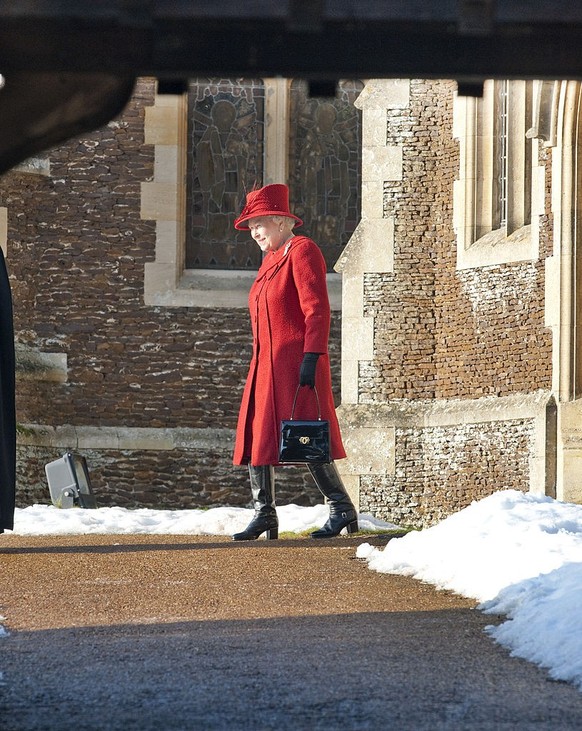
x=295 y=401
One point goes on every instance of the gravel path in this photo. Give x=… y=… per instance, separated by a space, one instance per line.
x=115 y=633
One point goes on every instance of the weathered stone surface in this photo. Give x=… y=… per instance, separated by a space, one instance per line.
x=77 y=247
x=440 y=334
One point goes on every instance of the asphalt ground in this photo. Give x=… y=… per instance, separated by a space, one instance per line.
x=116 y=633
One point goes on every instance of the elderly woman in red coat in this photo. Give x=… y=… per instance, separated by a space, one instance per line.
x=290 y=318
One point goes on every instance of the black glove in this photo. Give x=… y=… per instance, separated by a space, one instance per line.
x=307 y=370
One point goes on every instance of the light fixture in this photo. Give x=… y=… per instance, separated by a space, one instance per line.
x=69 y=482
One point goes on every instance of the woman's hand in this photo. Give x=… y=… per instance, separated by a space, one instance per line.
x=307 y=370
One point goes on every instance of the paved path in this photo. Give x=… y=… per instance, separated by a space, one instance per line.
x=116 y=633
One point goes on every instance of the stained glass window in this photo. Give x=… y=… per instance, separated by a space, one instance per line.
x=225 y=160
x=226 y=146
x=325 y=164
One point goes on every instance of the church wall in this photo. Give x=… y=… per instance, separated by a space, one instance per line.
x=149 y=394
x=446 y=370
x=442 y=469
x=469 y=344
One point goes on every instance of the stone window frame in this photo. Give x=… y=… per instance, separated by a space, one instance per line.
x=480 y=242
x=167 y=283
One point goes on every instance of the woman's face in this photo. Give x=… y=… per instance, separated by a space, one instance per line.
x=268 y=233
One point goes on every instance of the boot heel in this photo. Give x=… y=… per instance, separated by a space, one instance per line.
x=272 y=534
x=352 y=527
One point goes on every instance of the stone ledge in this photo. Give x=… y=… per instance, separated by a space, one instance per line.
x=125 y=438
x=210 y=288
x=538 y=408
x=40 y=366
x=426 y=413
x=496 y=248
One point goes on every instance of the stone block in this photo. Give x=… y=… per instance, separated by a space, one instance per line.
x=382 y=163
x=358 y=337
x=571 y=489
x=167 y=164
x=159 y=201
x=162 y=122
x=370 y=450
x=374 y=128
x=373 y=199
x=384 y=93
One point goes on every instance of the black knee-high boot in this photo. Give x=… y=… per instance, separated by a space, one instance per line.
x=265 y=518
x=342 y=513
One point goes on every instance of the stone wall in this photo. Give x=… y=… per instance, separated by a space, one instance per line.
x=475 y=337
x=77 y=247
x=442 y=332
x=443 y=469
x=180 y=478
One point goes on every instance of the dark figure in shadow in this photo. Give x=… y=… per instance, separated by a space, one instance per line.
x=7 y=405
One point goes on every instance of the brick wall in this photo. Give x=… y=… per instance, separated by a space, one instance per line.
x=443 y=334
x=77 y=247
x=443 y=469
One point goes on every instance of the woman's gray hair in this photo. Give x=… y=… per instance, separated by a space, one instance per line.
x=288 y=223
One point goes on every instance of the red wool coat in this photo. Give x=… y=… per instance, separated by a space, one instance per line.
x=290 y=316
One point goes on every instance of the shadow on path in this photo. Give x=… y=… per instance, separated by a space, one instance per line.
x=180 y=640
x=412 y=670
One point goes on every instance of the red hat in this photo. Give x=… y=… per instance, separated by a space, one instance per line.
x=272 y=200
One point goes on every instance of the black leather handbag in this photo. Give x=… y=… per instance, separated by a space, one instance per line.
x=304 y=441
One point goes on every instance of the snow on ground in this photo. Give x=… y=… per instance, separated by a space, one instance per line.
x=518 y=555
x=39 y=520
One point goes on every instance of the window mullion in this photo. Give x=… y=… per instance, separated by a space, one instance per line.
x=503 y=154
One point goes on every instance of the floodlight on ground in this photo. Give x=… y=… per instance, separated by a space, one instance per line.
x=69 y=482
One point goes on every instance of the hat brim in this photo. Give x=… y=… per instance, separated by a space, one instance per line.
x=241 y=224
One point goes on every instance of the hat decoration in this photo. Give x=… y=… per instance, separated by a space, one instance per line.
x=271 y=200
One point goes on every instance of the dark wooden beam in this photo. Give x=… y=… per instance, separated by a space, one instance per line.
x=309 y=38
x=54 y=53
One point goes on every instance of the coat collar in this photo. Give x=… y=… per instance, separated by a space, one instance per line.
x=274 y=259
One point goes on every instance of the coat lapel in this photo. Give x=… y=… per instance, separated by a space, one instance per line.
x=272 y=262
